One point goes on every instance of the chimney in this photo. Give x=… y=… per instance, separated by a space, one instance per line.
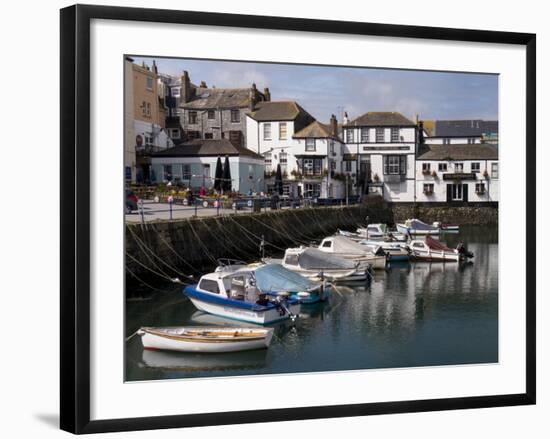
x=203 y=84
x=420 y=132
x=155 y=69
x=185 y=93
x=267 y=94
x=346 y=118
x=252 y=97
x=333 y=126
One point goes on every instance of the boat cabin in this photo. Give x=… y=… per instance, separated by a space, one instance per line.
x=239 y=285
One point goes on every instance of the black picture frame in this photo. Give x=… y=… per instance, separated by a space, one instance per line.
x=75 y=217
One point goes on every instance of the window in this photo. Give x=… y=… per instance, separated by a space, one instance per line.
x=429 y=188
x=480 y=188
x=146 y=109
x=471 y=141
x=175 y=92
x=349 y=135
x=192 y=117
x=282 y=130
x=206 y=170
x=148 y=139
x=348 y=165
x=312 y=166
x=312 y=190
x=286 y=190
x=395 y=134
x=457 y=192
x=291 y=260
x=446 y=141
x=395 y=164
x=283 y=160
x=310 y=144
x=475 y=167
x=211 y=114
x=364 y=135
x=208 y=135
x=267 y=131
x=332 y=165
x=267 y=159
x=174 y=133
x=186 y=169
x=380 y=135
x=426 y=168
x=459 y=167
x=442 y=167
x=331 y=147
x=209 y=285
x=235 y=116
x=327 y=244
x=494 y=170
x=149 y=83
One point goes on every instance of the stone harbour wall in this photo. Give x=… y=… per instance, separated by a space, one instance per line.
x=160 y=250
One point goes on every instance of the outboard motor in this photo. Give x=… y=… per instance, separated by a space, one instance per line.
x=463 y=251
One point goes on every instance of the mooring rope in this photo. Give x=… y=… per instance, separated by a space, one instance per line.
x=210 y=256
x=175 y=252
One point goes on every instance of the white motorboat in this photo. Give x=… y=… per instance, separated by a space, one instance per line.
x=234 y=295
x=213 y=339
x=417 y=227
x=395 y=251
x=315 y=264
x=435 y=251
x=346 y=248
x=272 y=278
x=379 y=232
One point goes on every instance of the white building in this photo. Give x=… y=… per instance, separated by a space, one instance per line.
x=457 y=173
x=380 y=150
x=193 y=164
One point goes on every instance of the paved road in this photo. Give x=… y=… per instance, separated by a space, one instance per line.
x=161 y=211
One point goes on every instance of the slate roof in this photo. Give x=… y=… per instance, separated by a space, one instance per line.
x=381 y=118
x=316 y=130
x=207 y=148
x=213 y=98
x=276 y=110
x=464 y=128
x=476 y=151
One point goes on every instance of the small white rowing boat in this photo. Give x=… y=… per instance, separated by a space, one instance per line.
x=213 y=339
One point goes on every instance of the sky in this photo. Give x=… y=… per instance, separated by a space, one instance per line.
x=326 y=90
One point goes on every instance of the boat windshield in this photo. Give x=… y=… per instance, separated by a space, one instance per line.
x=275 y=277
x=419 y=225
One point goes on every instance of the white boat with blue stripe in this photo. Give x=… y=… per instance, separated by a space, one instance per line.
x=236 y=296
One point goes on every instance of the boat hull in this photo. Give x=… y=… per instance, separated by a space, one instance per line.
x=259 y=317
x=155 y=341
x=435 y=256
x=402 y=228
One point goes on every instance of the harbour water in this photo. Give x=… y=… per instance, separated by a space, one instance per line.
x=417 y=314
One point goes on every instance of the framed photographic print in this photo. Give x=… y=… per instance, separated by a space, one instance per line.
x=284 y=219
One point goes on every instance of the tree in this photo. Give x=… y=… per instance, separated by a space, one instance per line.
x=279 y=180
x=226 y=184
x=218 y=182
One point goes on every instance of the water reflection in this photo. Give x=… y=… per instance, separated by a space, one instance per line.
x=410 y=315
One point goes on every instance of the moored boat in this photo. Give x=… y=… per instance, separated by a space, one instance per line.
x=346 y=248
x=272 y=278
x=395 y=251
x=435 y=251
x=315 y=264
x=417 y=227
x=379 y=232
x=214 y=339
x=234 y=295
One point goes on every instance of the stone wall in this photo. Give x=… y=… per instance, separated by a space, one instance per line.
x=192 y=246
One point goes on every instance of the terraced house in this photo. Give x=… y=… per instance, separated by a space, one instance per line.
x=216 y=113
x=380 y=149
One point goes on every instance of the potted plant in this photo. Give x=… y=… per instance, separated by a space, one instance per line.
x=486 y=175
x=434 y=174
x=376 y=178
